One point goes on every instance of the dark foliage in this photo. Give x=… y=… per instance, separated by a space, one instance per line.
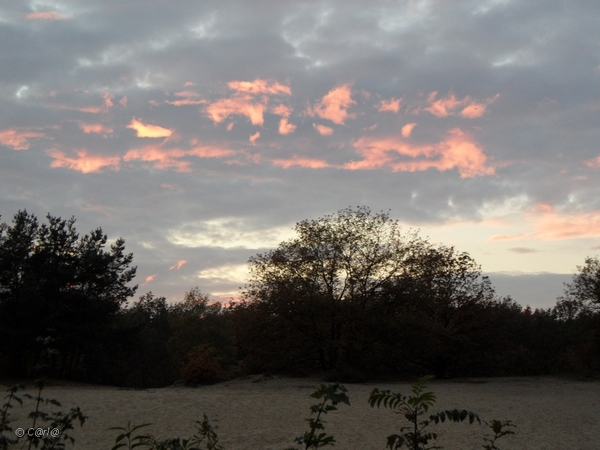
x=352 y=295
x=55 y=283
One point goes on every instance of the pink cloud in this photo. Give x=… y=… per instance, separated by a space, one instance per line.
x=108 y=103
x=95 y=128
x=254 y=138
x=149 y=131
x=83 y=162
x=160 y=158
x=259 y=86
x=249 y=98
x=240 y=105
x=123 y=102
x=548 y=224
x=334 y=105
x=150 y=278
x=187 y=94
x=301 y=162
x=407 y=129
x=46 y=16
x=207 y=151
x=323 y=130
x=456 y=151
x=186 y=102
x=188 y=98
x=447 y=105
x=590 y=163
x=391 y=105
x=285 y=127
x=17 y=139
x=441 y=107
x=282 y=110
x=178 y=265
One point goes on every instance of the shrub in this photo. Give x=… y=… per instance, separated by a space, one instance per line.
x=203 y=367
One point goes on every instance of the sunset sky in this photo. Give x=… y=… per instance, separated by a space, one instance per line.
x=201 y=131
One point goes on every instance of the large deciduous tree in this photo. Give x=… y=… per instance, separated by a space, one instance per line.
x=54 y=283
x=348 y=290
x=582 y=295
x=337 y=261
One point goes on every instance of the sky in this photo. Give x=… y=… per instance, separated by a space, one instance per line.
x=202 y=131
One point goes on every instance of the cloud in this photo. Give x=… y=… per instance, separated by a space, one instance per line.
x=95 y=128
x=239 y=105
x=254 y=138
x=522 y=250
x=166 y=158
x=149 y=279
x=391 y=105
x=300 y=161
x=160 y=158
x=285 y=127
x=249 y=98
x=441 y=107
x=323 y=130
x=108 y=103
x=47 y=16
x=228 y=233
x=558 y=226
x=545 y=223
x=407 y=129
x=456 y=151
x=148 y=131
x=448 y=105
x=209 y=151
x=83 y=162
x=259 y=86
x=334 y=105
x=17 y=139
x=188 y=98
x=590 y=163
x=178 y=265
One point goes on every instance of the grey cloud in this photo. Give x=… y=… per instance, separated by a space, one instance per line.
x=544 y=121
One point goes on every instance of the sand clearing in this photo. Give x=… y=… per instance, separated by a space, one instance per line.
x=550 y=413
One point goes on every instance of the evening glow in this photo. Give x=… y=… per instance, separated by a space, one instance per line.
x=201 y=133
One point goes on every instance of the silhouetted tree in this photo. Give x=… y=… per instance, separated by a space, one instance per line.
x=55 y=283
x=336 y=261
x=582 y=295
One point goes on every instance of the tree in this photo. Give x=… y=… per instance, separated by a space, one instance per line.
x=337 y=262
x=55 y=283
x=355 y=292
x=582 y=295
x=443 y=295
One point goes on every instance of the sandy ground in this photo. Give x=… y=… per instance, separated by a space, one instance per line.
x=254 y=413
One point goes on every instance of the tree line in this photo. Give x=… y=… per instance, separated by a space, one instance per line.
x=352 y=296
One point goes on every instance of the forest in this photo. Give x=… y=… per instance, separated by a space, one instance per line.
x=352 y=297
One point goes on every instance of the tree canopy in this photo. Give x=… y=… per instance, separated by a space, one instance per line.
x=346 y=275
x=56 y=283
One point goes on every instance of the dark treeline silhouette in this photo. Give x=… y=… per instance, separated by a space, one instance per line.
x=353 y=296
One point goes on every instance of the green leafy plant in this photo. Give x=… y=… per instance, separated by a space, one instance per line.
x=500 y=429
x=5 y=428
x=417 y=436
x=331 y=396
x=52 y=427
x=205 y=436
